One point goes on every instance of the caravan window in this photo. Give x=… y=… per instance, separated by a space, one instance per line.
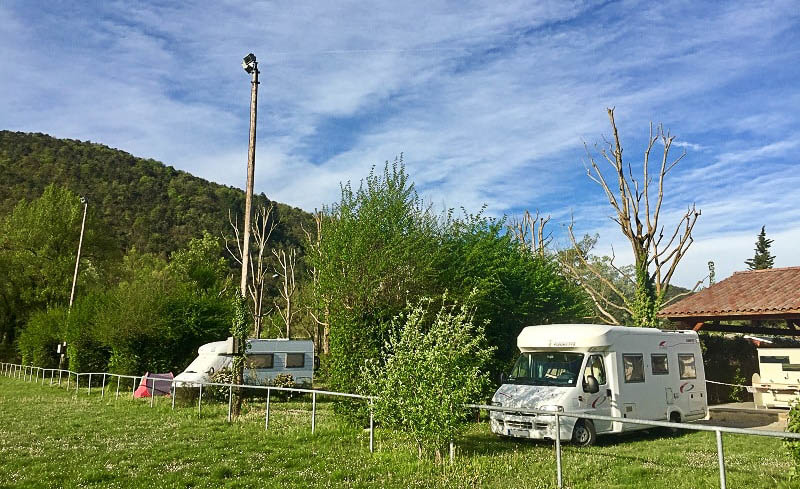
x=261 y=360
x=634 y=367
x=594 y=367
x=686 y=366
x=295 y=360
x=660 y=363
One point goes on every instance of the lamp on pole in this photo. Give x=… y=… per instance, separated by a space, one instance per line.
x=250 y=65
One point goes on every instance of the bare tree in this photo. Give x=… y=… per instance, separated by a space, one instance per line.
x=285 y=271
x=261 y=230
x=319 y=309
x=529 y=232
x=637 y=212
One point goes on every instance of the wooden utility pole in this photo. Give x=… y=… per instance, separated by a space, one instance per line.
x=78 y=259
x=250 y=65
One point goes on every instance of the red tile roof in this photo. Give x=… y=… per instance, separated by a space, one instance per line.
x=772 y=292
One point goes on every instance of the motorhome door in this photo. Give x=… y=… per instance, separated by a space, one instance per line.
x=599 y=402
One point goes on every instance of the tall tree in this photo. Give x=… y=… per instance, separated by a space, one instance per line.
x=637 y=212
x=763 y=259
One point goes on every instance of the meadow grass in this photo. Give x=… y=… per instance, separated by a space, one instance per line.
x=53 y=438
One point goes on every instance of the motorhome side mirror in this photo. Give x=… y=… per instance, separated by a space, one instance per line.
x=590 y=385
x=503 y=377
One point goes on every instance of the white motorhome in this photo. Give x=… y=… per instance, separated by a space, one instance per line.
x=614 y=371
x=266 y=358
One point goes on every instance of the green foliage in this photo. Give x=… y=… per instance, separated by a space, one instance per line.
x=382 y=247
x=510 y=287
x=283 y=380
x=762 y=259
x=38 y=341
x=38 y=245
x=434 y=363
x=217 y=392
x=138 y=204
x=646 y=302
x=794 y=445
x=378 y=248
x=153 y=320
x=732 y=360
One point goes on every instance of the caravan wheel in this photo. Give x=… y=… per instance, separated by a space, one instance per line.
x=674 y=417
x=584 y=434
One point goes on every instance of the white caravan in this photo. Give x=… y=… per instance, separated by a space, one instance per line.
x=265 y=360
x=614 y=371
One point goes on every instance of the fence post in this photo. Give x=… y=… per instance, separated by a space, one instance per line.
x=558 y=452
x=371 y=429
x=172 y=385
x=133 y=388
x=60 y=372
x=313 y=411
x=152 y=390
x=199 y=400
x=230 y=401
x=452 y=452
x=89 y=392
x=721 y=458
x=266 y=414
x=117 y=396
x=103 y=392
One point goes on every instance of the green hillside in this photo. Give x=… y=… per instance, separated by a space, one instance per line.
x=142 y=203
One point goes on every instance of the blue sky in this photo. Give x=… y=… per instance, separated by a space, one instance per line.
x=490 y=102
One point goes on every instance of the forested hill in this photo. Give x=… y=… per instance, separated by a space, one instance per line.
x=143 y=203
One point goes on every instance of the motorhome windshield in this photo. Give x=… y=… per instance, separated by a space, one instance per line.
x=547 y=368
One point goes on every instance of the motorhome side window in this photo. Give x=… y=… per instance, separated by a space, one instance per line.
x=686 y=366
x=594 y=367
x=295 y=360
x=660 y=363
x=634 y=367
x=261 y=360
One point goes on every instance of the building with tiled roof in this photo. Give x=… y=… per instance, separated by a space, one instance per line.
x=757 y=295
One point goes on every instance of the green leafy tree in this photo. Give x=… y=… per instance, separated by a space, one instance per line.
x=38 y=243
x=763 y=259
x=376 y=250
x=433 y=363
x=511 y=287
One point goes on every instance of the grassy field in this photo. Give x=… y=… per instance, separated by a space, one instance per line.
x=51 y=438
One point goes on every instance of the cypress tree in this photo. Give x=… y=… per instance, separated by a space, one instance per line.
x=763 y=259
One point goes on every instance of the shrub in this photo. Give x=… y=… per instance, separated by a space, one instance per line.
x=283 y=380
x=794 y=445
x=432 y=367
x=216 y=392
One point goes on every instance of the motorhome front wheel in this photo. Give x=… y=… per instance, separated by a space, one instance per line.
x=584 y=434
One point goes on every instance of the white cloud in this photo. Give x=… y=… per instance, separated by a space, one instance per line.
x=490 y=102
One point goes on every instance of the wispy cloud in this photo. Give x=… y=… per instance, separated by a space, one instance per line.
x=490 y=102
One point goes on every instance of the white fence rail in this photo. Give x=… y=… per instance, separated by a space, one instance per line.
x=646 y=422
x=34 y=374
x=56 y=376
